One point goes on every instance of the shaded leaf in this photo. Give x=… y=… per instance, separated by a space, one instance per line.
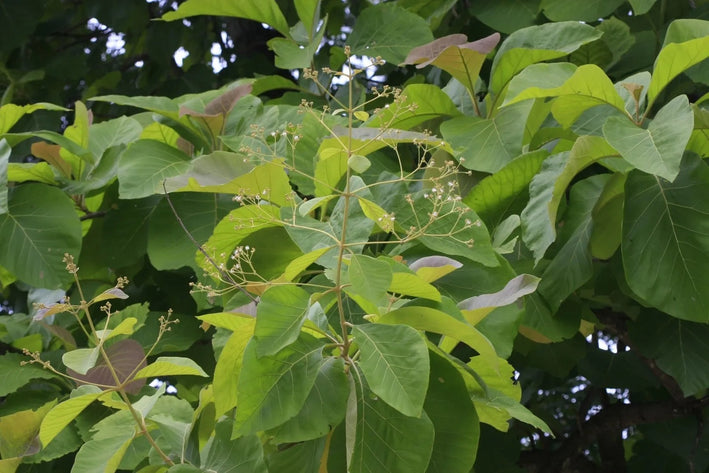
x=145 y=165
x=386 y=439
x=274 y=388
x=548 y=186
x=323 y=409
x=488 y=144
x=679 y=348
x=279 y=317
x=39 y=227
x=389 y=31
x=665 y=242
x=561 y=10
x=14 y=376
x=227 y=455
x=455 y=421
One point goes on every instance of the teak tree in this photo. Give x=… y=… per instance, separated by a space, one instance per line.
x=498 y=266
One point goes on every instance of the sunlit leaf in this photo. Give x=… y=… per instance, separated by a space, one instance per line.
x=264 y=11
x=394 y=358
x=171 y=366
x=658 y=149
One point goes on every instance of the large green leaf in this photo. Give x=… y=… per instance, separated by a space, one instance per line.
x=230 y=173
x=171 y=366
x=169 y=246
x=436 y=321
x=674 y=59
x=228 y=368
x=62 y=414
x=303 y=457
x=39 y=227
x=537 y=44
x=587 y=87
x=145 y=165
x=11 y=113
x=264 y=11
x=274 y=388
x=418 y=104
x=657 y=150
x=666 y=240
x=162 y=105
x=488 y=144
x=547 y=189
x=232 y=229
x=455 y=421
x=103 y=453
x=386 y=439
x=125 y=231
x=389 y=31
x=679 y=348
x=496 y=196
x=324 y=407
x=562 y=10
x=14 y=377
x=104 y=135
x=279 y=316
x=241 y=455
x=394 y=359
x=572 y=265
x=370 y=278
x=507 y=16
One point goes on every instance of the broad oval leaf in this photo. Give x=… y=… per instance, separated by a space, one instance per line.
x=665 y=242
x=279 y=316
x=674 y=59
x=657 y=150
x=384 y=438
x=62 y=414
x=394 y=359
x=34 y=241
x=548 y=186
x=536 y=44
x=389 y=31
x=274 y=388
x=264 y=11
x=145 y=165
x=171 y=366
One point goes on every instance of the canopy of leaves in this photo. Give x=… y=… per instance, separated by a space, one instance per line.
x=354 y=236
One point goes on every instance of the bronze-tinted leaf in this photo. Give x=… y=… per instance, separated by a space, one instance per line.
x=127 y=357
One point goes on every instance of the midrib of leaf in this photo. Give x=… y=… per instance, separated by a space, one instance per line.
x=27 y=237
x=674 y=233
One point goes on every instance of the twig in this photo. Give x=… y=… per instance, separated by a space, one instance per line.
x=223 y=273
